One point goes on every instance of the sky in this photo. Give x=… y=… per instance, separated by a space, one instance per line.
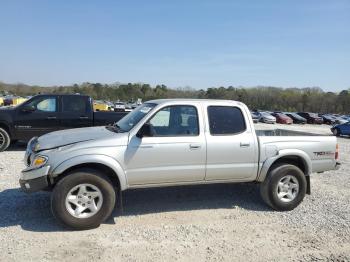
x=200 y=44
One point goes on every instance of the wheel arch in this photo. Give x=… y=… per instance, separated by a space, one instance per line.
x=106 y=164
x=293 y=157
x=7 y=128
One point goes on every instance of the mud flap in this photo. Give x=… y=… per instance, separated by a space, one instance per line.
x=308 y=185
x=120 y=197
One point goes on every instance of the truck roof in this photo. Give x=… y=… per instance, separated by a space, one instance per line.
x=207 y=101
x=59 y=94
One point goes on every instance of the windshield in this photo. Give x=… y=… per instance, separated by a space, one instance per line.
x=131 y=119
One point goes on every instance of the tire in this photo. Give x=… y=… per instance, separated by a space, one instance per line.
x=5 y=139
x=336 y=132
x=100 y=193
x=270 y=189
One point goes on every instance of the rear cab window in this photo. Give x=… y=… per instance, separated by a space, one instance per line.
x=225 y=120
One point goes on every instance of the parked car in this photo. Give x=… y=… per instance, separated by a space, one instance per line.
x=311 y=118
x=267 y=118
x=341 y=129
x=341 y=120
x=255 y=116
x=101 y=106
x=46 y=113
x=119 y=107
x=282 y=118
x=170 y=142
x=296 y=118
x=328 y=119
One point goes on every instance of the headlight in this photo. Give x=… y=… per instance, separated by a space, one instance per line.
x=39 y=161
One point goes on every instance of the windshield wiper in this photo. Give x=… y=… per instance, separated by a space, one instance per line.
x=116 y=128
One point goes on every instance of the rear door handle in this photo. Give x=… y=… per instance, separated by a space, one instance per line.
x=243 y=144
x=195 y=146
x=83 y=117
x=51 y=117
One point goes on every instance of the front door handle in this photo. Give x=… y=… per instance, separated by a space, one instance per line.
x=195 y=146
x=83 y=117
x=244 y=144
x=51 y=117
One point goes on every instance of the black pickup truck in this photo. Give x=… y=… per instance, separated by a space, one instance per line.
x=46 y=113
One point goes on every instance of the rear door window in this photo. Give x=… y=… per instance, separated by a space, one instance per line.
x=74 y=104
x=225 y=120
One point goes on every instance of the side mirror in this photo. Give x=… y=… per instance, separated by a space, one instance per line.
x=145 y=131
x=28 y=108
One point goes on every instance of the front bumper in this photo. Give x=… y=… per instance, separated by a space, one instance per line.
x=33 y=180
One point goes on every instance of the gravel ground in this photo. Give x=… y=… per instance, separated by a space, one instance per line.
x=194 y=223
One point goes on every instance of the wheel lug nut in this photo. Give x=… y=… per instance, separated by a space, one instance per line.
x=79 y=202
x=89 y=202
x=84 y=194
x=89 y=197
x=83 y=205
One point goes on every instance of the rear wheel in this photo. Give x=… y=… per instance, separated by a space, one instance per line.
x=4 y=139
x=83 y=199
x=284 y=187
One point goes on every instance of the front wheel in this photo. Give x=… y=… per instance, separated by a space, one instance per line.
x=4 y=139
x=83 y=199
x=336 y=132
x=284 y=188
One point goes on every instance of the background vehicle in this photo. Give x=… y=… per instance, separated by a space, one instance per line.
x=341 y=120
x=311 y=118
x=341 y=129
x=101 y=106
x=282 y=118
x=119 y=106
x=1 y=101
x=267 y=118
x=328 y=119
x=46 y=113
x=255 y=116
x=296 y=118
x=164 y=143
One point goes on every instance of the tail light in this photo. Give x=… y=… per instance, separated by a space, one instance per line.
x=336 y=152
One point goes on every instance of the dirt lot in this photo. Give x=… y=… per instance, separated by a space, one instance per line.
x=196 y=223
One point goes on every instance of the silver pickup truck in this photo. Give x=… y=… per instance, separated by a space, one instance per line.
x=168 y=143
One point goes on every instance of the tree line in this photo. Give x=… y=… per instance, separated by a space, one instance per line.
x=312 y=99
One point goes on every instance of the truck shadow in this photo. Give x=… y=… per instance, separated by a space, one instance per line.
x=18 y=146
x=33 y=213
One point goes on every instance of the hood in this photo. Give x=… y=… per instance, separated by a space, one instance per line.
x=72 y=136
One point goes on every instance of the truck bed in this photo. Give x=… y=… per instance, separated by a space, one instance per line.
x=283 y=132
x=318 y=149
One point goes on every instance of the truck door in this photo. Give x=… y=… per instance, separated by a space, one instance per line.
x=36 y=117
x=176 y=151
x=76 y=111
x=231 y=145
